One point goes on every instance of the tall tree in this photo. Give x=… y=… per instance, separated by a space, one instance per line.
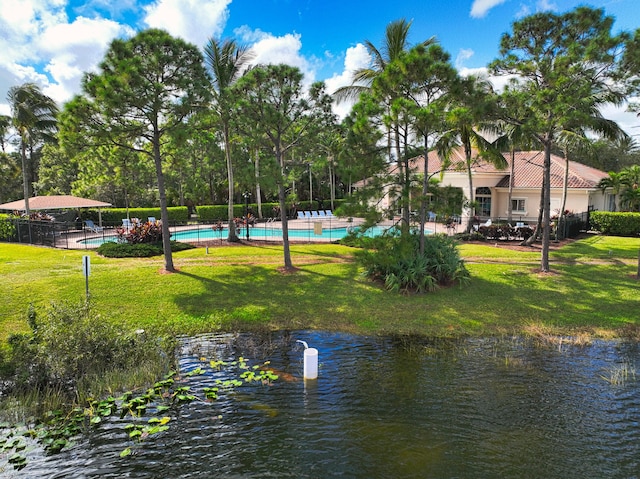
x=470 y=116
x=420 y=81
x=271 y=101
x=396 y=43
x=226 y=62
x=557 y=59
x=147 y=88
x=33 y=116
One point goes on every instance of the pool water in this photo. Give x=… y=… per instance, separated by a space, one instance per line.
x=255 y=232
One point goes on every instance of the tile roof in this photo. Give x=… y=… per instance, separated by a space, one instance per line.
x=527 y=171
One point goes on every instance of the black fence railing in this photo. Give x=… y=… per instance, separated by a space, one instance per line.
x=75 y=235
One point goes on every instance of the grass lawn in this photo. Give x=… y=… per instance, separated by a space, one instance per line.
x=592 y=289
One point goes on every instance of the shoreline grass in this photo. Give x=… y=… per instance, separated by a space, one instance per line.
x=592 y=290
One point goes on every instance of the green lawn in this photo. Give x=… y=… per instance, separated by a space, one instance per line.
x=593 y=289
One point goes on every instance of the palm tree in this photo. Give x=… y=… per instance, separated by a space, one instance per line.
x=615 y=181
x=226 y=61
x=466 y=119
x=395 y=42
x=5 y=124
x=33 y=116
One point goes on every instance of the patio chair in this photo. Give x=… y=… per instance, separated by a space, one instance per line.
x=314 y=214
x=329 y=213
x=322 y=214
x=126 y=223
x=92 y=226
x=152 y=220
x=307 y=215
x=300 y=215
x=431 y=216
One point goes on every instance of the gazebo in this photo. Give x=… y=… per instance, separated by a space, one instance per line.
x=56 y=202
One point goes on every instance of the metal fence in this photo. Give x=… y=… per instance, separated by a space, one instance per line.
x=75 y=235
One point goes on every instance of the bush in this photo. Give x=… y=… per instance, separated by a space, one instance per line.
x=395 y=260
x=615 y=223
x=138 y=250
x=140 y=233
x=71 y=343
x=178 y=214
x=7 y=228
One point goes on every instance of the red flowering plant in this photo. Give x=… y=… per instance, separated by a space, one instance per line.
x=140 y=233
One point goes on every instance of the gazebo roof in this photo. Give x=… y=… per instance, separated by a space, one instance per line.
x=54 y=202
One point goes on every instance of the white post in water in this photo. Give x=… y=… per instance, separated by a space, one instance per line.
x=310 y=361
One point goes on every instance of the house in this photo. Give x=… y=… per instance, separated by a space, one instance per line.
x=491 y=184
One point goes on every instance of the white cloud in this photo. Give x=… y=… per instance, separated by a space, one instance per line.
x=193 y=20
x=480 y=8
x=39 y=45
x=271 y=50
x=355 y=59
x=463 y=55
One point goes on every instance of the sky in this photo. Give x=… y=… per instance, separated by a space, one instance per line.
x=54 y=42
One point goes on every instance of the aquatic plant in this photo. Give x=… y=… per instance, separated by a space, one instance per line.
x=149 y=410
x=620 y=374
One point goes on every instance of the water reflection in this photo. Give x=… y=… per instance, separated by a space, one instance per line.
x=383 y=408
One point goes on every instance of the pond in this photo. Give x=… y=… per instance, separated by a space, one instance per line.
x=385 y=408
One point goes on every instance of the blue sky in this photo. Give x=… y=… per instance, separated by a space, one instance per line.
x=53 y=42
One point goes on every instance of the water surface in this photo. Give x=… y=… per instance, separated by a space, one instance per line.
x=386 y=408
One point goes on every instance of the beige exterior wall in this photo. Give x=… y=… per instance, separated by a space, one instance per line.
x=578 y=200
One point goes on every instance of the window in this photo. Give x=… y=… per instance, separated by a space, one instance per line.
x=518 y=204
x=483 y=199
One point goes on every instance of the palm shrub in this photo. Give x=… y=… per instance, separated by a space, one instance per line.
x=395 y=260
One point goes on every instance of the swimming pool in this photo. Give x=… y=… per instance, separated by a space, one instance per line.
x=205 y=233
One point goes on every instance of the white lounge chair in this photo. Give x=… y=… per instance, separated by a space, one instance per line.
x=126 y=224
x=152 y=220
x=329 y=213
x=314 y=214
x=307 y=215
x=322 y=214
x=300 y=215
x=92 y=226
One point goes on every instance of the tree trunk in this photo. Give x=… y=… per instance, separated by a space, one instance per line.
x=546 y=214
x=232 y=236
x=425 y=192
x=536 y=233
x=164 y=213
x=472 y=209
x=288 y=265
x=258 y=191
x=511 y=179
x=25 y=178
x=565 y=186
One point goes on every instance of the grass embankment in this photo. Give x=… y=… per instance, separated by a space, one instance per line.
x=593 y=289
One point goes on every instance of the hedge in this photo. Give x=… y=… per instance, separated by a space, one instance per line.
x=7 y=228
x=615 y=223
x=115 y=215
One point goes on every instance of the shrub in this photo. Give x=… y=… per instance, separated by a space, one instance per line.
x=138 y=250
x=179 y=214
x=615 y=223
x=140 y=233
x=7 y=228
x=71 y=343
x=395 y=260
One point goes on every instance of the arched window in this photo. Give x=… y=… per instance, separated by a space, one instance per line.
x=483 y=200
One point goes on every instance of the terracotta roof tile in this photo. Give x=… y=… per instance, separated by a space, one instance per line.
x=527 y=172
